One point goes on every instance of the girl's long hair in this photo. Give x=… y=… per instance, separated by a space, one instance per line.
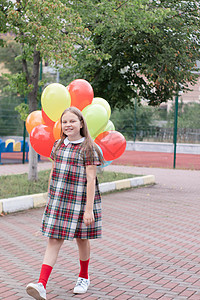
x=88 y=144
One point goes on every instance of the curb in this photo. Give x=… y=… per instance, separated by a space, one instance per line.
x=21 y=203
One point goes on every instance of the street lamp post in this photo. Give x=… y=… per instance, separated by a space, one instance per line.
x=135 y=120
x=24 y=138
x=175 y=128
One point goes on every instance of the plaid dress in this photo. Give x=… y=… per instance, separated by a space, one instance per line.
x=63 y=215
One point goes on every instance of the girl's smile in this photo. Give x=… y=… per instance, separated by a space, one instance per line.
x=71 y=126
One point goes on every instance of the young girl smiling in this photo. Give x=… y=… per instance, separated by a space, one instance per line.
x=73 y=209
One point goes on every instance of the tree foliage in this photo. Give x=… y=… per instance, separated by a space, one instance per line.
x=48 y=29
x=125 y=49
x=8 y=54
x=44 y=29
x=151 y=48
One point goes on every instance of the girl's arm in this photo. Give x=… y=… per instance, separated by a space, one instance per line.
x=88 y=216
x=50 y=174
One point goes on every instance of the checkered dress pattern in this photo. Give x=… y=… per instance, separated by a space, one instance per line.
x=63 y=215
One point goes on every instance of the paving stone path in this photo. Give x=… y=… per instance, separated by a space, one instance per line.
x=150 y=247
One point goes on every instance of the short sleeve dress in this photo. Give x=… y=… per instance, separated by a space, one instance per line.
x=63 y=215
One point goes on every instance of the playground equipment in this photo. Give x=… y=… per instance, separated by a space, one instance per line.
x=10 y=146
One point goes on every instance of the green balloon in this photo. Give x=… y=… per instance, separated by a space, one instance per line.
x=96 y=117
x=109 y=126
x=104 y=103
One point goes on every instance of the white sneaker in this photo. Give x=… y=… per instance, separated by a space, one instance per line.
x=36 y=290
x=81 y=285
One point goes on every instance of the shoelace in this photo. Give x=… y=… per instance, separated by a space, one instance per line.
x=82 y=282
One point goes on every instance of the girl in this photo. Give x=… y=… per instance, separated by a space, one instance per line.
x=73 y=209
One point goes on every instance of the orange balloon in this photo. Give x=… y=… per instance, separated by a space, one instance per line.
x=57 y=130
x=34 y=119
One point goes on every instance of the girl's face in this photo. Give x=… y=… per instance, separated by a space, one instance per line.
x=71 y=126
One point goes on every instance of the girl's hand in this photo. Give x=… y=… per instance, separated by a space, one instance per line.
x=88 y=217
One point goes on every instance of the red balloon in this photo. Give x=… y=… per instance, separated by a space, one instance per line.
x=112 y=143
x=47 y=120
x=42 y=140
x=81 y=93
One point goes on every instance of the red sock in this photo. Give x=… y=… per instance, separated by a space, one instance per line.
x=84 y=268
x=44 y=274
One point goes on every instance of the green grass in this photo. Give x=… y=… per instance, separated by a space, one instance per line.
x=19 y=185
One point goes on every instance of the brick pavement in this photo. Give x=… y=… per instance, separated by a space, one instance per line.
x=10 y=169
x=150 y=247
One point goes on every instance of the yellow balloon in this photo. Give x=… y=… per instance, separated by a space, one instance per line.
x=55 y=99
x=96 y=118
x=104 y=103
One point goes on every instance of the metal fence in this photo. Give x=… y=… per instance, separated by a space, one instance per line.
x=10 y=122
x=12 y=125
x=159 y=134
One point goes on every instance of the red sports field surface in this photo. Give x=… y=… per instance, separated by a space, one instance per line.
x=136 y=158
x=159 y=160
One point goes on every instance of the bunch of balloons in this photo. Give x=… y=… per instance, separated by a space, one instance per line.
x=44 y=125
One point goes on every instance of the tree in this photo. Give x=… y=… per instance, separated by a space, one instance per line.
x=151 y=49
x=44 y=29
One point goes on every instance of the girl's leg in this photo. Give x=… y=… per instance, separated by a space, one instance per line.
x=50 y=257
x=83 y=248
x=38 y=290
x=83 y=281
x=52 y=250
x=84 y=256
